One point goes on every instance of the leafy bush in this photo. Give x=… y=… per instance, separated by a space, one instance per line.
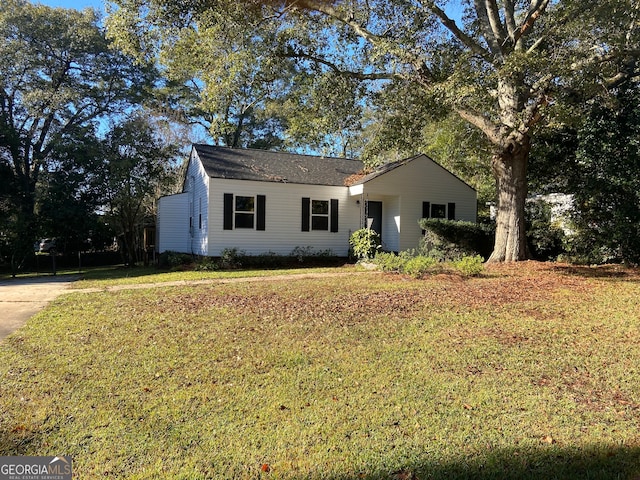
x=450 y=240
x=170 y=259
x=419 y=266
x=470 y=266
x=232 y=258
x=303 y=254
x=389 y=262
x=207 y=264
x=365 y=243
x=546 y=240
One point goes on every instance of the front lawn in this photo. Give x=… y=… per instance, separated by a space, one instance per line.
x=531 y=371
x=105 y=277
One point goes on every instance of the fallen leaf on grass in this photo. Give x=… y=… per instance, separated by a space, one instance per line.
x=549 y=439
x=266 y=468
x=404 y=475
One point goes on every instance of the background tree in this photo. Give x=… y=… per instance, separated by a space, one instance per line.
x=220 y=71
x=605 y=180
x=69 y=191
x=58 y=72
x=136 y=170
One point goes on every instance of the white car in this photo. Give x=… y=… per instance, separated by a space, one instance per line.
x=47 y=244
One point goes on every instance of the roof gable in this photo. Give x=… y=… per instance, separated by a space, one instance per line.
x=388 y=167
x=268 y=166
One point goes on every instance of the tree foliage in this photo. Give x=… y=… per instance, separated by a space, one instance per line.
x=68 y=193
x=606 y=180
x=136 y=170
x=59 y=73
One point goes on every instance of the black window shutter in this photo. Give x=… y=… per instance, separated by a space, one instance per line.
x=334 y=214
x=426 y=209
x=227 y=222
x=451 y=211
x=306 y=213
x=261 y=212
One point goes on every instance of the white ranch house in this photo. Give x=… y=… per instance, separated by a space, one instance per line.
x=261 y=201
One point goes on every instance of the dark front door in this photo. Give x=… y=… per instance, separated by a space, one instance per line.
x=374 y=214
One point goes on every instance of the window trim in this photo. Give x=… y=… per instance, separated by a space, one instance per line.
x=316 y=217
x=258 y=212
x=308 y=215
x=244 y=213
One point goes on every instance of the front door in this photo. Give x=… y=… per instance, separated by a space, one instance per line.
x=374 y=216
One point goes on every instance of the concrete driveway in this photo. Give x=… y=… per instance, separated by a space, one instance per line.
x=22 y=298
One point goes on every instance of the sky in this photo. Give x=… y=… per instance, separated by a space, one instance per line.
x=99 y=5
x=77 y=4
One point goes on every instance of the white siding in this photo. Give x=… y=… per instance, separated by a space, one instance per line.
x=173 y=224
x=283 y=218
x=197 y=187
x=417 y=181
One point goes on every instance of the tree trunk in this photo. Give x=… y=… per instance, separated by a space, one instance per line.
x=510 y=171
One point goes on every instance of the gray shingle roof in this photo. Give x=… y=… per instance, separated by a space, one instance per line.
x=267 y=166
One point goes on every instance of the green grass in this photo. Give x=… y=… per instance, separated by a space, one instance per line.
x=528 y=372
x=114 y=276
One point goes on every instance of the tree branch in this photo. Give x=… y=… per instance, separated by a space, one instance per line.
x=494 y=20
x=487 y=12
x=291 y=53
x=328 y=9
x=631 y=57
x=510 y=19
x=537 y=8
x=490 y=129
x=451 y=25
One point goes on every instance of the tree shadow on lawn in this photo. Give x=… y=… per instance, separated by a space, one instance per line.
x=610 y=272
x=600 y=462
x=595 y=463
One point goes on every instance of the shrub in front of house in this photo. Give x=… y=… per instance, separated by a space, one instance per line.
x=170 y=259
x=365 y=243
x=470 y=266
x=389 y=262
x=207 y=264
x=232 y=258
x=450 y=240
x=417 y=265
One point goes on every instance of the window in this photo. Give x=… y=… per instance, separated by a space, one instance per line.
x=319 y=215
x=438 y=210
x=191 y=213
x=242 y=211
